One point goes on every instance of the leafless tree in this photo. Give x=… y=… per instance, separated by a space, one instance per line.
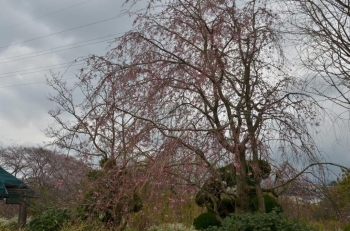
x=55 y=176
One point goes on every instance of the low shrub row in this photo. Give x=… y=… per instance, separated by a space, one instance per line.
x=50 y=220
x=171 y=227
x=8 y=224
x=60 y=220
x=274 y=221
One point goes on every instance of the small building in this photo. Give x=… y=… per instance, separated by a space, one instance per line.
x=15 y=191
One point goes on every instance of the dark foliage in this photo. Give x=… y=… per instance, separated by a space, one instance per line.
x=271 y=204
x=206 y=220
x=212 y=194
x=50 y=220
x=273 y=221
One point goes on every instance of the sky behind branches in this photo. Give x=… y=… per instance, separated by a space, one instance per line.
x=38 y=37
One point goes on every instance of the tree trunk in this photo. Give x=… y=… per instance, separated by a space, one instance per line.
x=242 y=190
x=257 y=178
x=260 y=197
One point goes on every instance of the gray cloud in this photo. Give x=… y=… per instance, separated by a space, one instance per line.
x=23 y=109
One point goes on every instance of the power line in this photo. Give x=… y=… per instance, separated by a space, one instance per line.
x=33 y=72
x=60 y=32
x=18 y=85
x=25 y=84
x=63 y=46
x=50 y=66
x=44 y=15
x=33 y=56
x=57 y=66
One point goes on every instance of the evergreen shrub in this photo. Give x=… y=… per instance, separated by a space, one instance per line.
x=271 y=204
x=205 y=220
x=347 y=227
x=50 y=220
x=273 y=221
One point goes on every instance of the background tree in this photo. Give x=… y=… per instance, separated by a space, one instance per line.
x=322 y=31
x=199 y=84
x=57 y=177
x=335 y=204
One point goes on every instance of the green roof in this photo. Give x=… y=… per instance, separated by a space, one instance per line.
x=9 y=179
x=12 y=188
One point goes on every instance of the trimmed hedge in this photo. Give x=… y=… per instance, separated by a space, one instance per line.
x=205 y=220
x=271 y=204
x=273 y=221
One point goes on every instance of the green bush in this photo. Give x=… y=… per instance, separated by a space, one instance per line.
x=202 y=199
x=206 y=220
x=78 y=225
x=347 y=227
x=226 y=206
x=8 y=224
x=170 y=227
x=211 y=194
x=50 y=220
x=260 y=221
x=271 y=204
x=4 y=227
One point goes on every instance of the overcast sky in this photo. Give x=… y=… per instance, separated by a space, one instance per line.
x=37 y=36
